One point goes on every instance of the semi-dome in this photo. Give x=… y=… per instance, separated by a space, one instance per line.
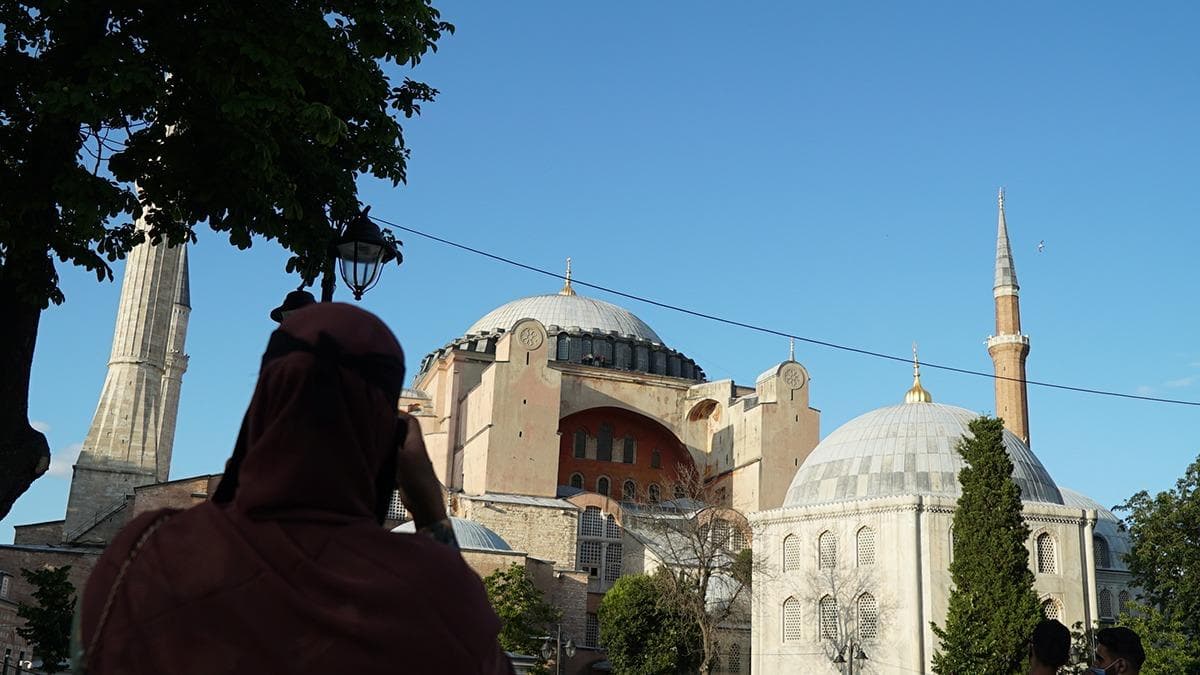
x=470 y=535
x=906 y=449
x=1108 y=526
x=566 y=311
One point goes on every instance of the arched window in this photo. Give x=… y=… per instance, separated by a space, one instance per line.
x=827 y=551
x=602 y=485
x=1103 y=559
x=1106 y=606
x=1051 y=610
x=828 y=610
x=735 y=658
x=791 y=553
x=655 y=459
x=1122 y=601
x=627 y=450
x=865 y=545
x=791 y=620
x=580 y=443
x=717 y=662
x=1046 y=561
x=591 y=523
x=604 y=440
x=577 y=480
x=563 y=351
x=720 y=533
x=680 y=493
x=600 y=550
x=868 y=617
x=628 y=491
x=654 y=493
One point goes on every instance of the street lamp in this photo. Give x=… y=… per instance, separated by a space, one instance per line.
x=856 y=652
x=554 y=646
x=360 y=252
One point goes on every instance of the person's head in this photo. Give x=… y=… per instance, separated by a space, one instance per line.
x=1050 y=645
x=320 y=434
x=1118 y=650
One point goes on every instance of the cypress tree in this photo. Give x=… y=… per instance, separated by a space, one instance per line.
x=993 y=607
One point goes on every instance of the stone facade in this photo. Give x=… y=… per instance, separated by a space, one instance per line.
x=545 y=531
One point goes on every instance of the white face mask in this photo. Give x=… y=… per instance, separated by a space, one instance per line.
x=1110 y=669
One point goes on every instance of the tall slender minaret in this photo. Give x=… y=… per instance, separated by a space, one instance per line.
x=129 y=442
x=1008 y=347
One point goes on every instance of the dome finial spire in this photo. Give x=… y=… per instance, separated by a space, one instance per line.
x=917 y=393
x=566 y=289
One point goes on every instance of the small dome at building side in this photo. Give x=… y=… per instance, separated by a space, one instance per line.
x=907 y=449
x=563 y=310
x=470 y=534
x=1108 y=526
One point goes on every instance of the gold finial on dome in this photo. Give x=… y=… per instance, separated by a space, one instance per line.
x=917 y=394
x=566 y=289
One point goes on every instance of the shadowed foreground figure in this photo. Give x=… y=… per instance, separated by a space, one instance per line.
x=286 y=569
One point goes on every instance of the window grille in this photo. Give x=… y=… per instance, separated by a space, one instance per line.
x=591 y=634
x=577 y=480
x=628 y=491
x=612 y=562
x=791 y=620
x=829 y=618
x=827 y=548
x=627 y=452
x=580 y=444
x=1051 y=609
x=396 y=510
x=1122 y=601
x=865 y=543
x=655 y=493
x=604 y=444
x=1103 y=559
x=1106 y=606
x=791 y=553
x=591 y=523
x=735 y=658
x=5 y=582
x=868 y=617
x=717 y=664
x=611 y=529
x=602 y=486
x=655 y=459
x=1045 y=554
x=720 y=533
x=680 y=493
x=563 y=348
x=589 y=553
x=737 y=540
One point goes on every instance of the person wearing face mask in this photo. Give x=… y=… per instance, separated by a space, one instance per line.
x=1118 y=650
x=1049 y=648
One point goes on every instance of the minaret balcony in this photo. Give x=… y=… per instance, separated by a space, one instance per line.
x=1007 y=339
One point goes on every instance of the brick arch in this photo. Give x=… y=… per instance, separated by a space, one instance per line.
x=648 y=435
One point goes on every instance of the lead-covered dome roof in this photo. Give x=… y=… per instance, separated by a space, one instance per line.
x=566 y=311
x=470 y=535
x=906 y=449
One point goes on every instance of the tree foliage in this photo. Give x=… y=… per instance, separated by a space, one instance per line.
x=525 y=616
x=993 y=607
x=644 y=631
x=48 y=623
x=1162 y=558
x=255 y=118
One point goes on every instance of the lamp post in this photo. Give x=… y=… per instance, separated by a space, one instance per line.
x=554 y=645
x=856 y=654
x=359 y=252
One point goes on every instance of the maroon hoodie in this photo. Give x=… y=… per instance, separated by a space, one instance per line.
x=286 y=569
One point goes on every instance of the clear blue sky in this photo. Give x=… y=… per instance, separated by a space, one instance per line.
x=826 y=169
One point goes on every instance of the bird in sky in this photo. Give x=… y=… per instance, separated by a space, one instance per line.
x=1041 y=246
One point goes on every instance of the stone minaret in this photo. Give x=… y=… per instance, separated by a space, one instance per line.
x=1008 y=347
x=129 y=442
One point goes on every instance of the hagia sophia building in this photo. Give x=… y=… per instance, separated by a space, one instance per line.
x=558 y=423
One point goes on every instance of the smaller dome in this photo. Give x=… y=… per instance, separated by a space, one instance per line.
x=470 y=535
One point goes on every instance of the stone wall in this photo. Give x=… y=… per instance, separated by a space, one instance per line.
x=544 y=532
x=34 y=534
x=178 y=494
x=12 y=559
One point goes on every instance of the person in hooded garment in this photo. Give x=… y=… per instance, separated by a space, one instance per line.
x=287 y=568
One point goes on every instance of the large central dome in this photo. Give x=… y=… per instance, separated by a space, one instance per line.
x=906 y=449
x=566 y=311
